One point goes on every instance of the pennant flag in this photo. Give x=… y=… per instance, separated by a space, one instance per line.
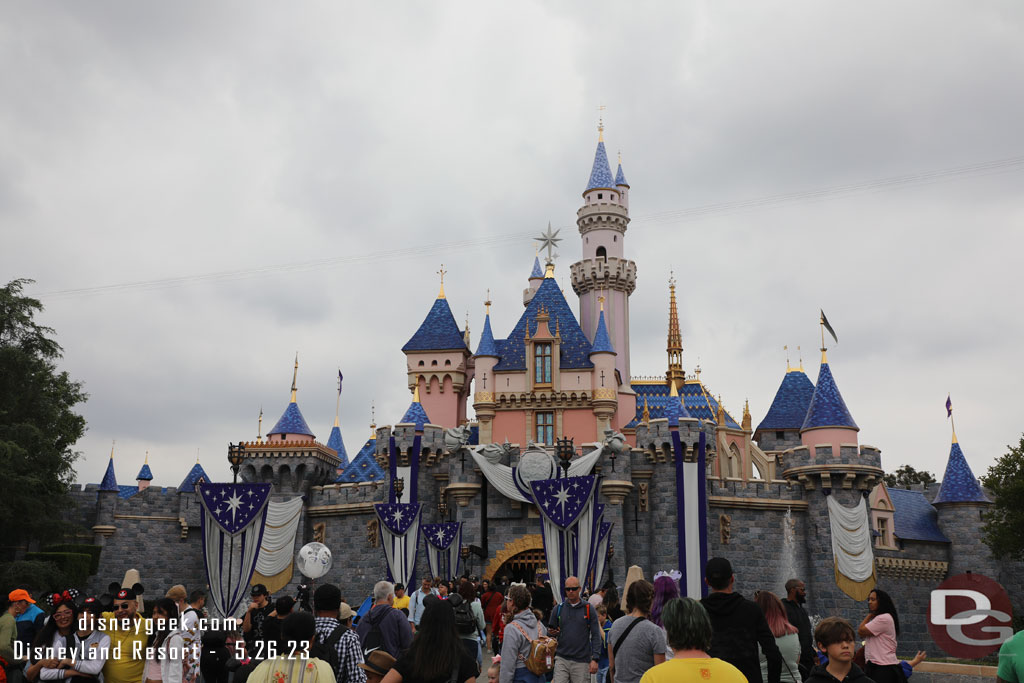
x=340 y=377
x=400 y=534
x=949 y=407
x=562 y=500
x=824 y=321
x=444 y=541
x=233 y=521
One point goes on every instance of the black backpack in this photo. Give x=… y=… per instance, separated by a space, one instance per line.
x=465 y=622
x=374 y=638
x=328 y=651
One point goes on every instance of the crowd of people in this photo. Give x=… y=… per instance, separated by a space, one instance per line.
x=452 y=632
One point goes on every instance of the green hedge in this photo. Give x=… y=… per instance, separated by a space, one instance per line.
x=75 y=566
x=39 y=576
x=87 y=548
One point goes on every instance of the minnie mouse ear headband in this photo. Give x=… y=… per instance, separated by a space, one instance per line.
x=56 y=599
x=675 y=575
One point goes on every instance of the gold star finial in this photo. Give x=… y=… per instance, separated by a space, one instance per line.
x=442 y=273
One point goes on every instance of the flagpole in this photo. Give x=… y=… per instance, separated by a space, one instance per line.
x=952 y=422
x=821 y=326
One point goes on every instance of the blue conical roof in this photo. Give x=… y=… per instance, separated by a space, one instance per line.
x=438 y=332
x=145 y=474
x=487 y=347
x=415 y=415
x=575 y=347
x=602 y=342
x=601 y=173
x=292 y=422
x=537 y=272
x=196 y=475
x=109 y=482
x=958 y=483
x=364 y=466
x=827 y=408
x=675 y=410
x=337 y=443
x=789 y=409
x=620 y=177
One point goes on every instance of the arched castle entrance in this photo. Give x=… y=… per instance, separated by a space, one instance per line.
x=520 y=560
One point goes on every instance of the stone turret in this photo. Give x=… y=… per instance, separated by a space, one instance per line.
x=961 y=504
x=485 y=359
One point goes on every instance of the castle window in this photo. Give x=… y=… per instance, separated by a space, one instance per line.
x=600 y=195
x=542 y=364
x=421 y=364
x=883 y=531
x=780 y=435
x=602 y=253
x=433 y=362
x=447 y=363
x=545 y=423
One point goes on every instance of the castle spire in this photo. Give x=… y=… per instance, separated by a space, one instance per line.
x=675 y=374
x=295 y=377
x=441 y=272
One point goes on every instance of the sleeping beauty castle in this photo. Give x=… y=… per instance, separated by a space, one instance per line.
x=657 y=472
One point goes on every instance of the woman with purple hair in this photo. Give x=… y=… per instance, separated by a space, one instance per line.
x=666 y=588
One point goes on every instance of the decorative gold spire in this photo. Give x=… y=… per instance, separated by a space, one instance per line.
x=373 y=419
x=824 y=356
x=112 y=443
x=746 y=415
x=487 y=304
x=786 y=349
x=600 y=300
x=441 y=272
x=549 y=270
x=672 y=390
x=295 y=376
x=146 y=461
x=721 y=411
x=675 y=374
x=600 y=123
x=646 y=417
x=259 y=427
x=416 y=392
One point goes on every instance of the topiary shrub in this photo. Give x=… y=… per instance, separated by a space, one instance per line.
x=92 y=550
x=40 y=577
x=74 y=566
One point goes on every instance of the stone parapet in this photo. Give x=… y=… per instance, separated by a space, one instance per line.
x=611 y=273
x=818 y=467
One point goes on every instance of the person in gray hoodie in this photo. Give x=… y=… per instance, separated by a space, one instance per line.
x=519 y=632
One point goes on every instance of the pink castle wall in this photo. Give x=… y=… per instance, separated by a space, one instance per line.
x=581 y=425
x=829 y=435
x=509 y=425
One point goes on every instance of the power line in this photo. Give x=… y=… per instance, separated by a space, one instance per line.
x=981 y=169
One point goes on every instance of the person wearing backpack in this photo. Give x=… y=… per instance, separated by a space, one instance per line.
x=469 y=618
x=384 y=627
x=336 y=642
x=574 y=622
x=520 y=633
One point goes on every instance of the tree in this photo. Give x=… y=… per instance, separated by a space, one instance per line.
x=38 y=425
x=1004 y=522
x=905 y=476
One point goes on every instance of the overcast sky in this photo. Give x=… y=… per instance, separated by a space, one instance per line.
x=331 y=156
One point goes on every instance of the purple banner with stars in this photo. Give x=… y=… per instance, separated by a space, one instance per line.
x=397 y=517
x=441 y=535
x=562 y=500
x=234 y=506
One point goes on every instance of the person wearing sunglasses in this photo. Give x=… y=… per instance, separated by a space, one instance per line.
x=126 y=627
x=574 y=623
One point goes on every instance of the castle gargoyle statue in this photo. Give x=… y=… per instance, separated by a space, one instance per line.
x=615 y=442
x=495 y=453
x=456 y=438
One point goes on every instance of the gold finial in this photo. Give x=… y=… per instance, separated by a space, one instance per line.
x=146 y=461
x=549 y=270
x=112 y=443
x=620 y=157
x=746 y=415
x=259 y=427
x=373 y=420
x=801 y=357
x=442 y=273
x=646 y=417
x=721 y=411
x=197 y=455
x=672 y=389
x=600 y=300
x=295 y=376
x=487 y=303
x=600 y=123
x=416 y=392
x=786 y=349
x=824 y=356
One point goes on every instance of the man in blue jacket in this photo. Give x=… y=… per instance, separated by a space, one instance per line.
x=575 y=624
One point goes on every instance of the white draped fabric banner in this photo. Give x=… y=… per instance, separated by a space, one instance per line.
x=400 y=536
x=444 y=541
x=851 y=539
x=232 y=523
x=600 y=561
x=278 y=547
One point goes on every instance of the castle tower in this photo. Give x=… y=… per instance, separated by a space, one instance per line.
x=337 y=443
x=536 y=277
x=438 y=364
x=961 y=503
x=486 y=358
x=291 y=425
x=106 y=504
x=604 y=269
x=675 y=374
x=780 y=428
x=602 y=355
x=828 y=420
x=145 y=475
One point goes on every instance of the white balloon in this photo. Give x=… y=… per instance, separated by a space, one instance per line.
x=313 y=560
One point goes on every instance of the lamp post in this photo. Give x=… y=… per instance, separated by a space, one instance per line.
x=398 y=485
x=236 y=456
x=564 y=449
x=442 y=508
x=464 y=554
